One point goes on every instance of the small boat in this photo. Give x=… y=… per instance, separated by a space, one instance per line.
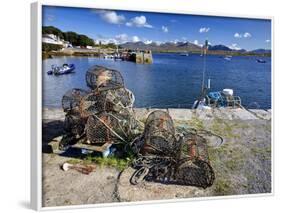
x=184 y=54
x=228 y=58
x=117 y=57
x=217 y=99
x=64 y=69
x=261 y=61
x=109 y=57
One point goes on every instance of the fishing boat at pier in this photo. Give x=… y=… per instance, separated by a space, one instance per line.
x=214 y=99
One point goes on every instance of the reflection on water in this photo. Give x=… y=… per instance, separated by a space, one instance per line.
x=171 y=81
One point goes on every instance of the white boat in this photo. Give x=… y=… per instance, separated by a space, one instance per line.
x=228 y=58
x=108 y=57
x=184 y=54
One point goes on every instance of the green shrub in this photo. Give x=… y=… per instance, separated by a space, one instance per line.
x=50 y=47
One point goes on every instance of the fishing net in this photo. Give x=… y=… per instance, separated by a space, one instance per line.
x=102 y=78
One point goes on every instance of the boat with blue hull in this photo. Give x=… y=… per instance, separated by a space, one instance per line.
x=61 y=70
x=261 y=61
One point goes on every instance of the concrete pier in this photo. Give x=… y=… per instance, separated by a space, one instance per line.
x=242 y=163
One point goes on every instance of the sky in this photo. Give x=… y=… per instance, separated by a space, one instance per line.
x=123 y=26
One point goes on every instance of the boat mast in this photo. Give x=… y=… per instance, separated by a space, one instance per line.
x=205 y=48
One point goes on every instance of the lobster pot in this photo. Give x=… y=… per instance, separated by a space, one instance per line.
x=106 y=128
x=198 y=173
x=194 y=147
x=159 y=135
x=74 y=124
x=117 y=101
x=102 y=78
x=120 y=98
x=72 y=99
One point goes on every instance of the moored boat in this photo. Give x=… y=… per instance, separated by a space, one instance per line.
x=216 y=99
x=64 y=69
x=260 y=60
x=184 y=54
x=228 y=58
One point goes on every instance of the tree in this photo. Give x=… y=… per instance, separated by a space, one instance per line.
x=52 y=30
x=85 y=41
x=74 y=38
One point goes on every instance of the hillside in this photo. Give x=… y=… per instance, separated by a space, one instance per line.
x=163 y=47
x=220 y=49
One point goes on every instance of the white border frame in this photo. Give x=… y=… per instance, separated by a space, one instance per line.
x=36 y=101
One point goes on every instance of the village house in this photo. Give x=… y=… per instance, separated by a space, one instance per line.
x=53 y=39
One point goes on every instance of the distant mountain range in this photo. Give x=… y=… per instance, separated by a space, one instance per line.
x=162 y=47
x=187 y=47
x=261 y=51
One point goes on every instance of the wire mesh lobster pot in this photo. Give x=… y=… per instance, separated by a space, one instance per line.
x=72 y=99
x=193 y=165
x=107 y=128
x=159 y=135
x=198 y=173
x=102 y=78
x=194 y=146
x=117 y=101
x=74 y=123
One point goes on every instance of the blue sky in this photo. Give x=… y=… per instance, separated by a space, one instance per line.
x=122 y=26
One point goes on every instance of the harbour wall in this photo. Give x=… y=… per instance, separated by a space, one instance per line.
x=184 y=114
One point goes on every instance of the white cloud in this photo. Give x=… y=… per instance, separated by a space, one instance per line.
x=204 y=29
x=195 y=42
x=174 y=41
x=267 y=40
x=184 y=39
x=50 y=17
x=165 y=29
x=119 y=39
x=234 y=47
x=111 y=17
x=148 y=41
x=138 y=21
x=247 y=35
x=237 y=35
x=158 y=43
x=107 y=40
x=135 y=39
x=122 y=38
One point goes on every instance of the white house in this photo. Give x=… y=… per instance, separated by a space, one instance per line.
x=53 y=39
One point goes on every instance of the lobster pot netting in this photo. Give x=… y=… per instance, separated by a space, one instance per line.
x=74 y=123
x=194 y=146
x=199 y=173
x=159 y=135
x=194 y=167
x=118 y=101
x=72 y=99
x=107 y=128
x=102 y=78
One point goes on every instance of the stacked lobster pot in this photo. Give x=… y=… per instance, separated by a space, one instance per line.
x=102 y=116
x=169 y=157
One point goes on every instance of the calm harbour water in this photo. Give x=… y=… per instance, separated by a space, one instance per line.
x=171 y=81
